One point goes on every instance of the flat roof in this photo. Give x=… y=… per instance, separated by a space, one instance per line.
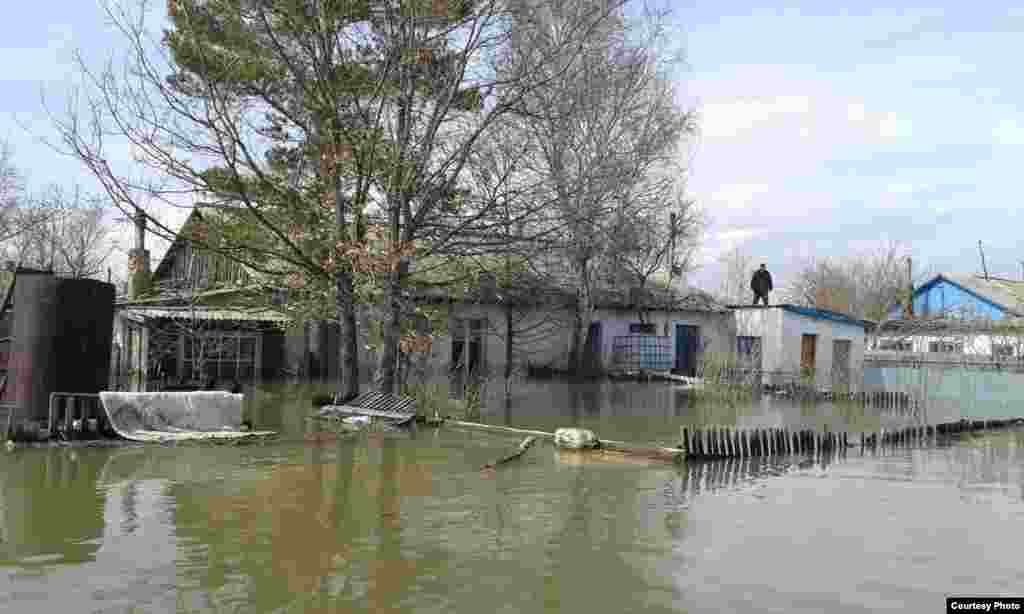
x=812 y=312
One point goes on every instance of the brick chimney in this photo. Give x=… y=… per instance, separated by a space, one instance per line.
x=138 y=259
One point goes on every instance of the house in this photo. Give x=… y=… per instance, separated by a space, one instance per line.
x=958 y=314
x=199 y=318
x=975 y=297
x=630 y=330
x=786 y=340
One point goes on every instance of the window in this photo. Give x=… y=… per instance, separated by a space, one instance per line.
x=220 y=355
x=748 y=346
x=946 y=347
x=1002 y=350
x=468 y=355
x=896 y=345
x=639 y=328
x=748 y=350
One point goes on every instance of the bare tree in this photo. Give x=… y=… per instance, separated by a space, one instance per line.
x=70 y=234
x=737 y=268
x=307 y=120
x=601 y=134
x=18 y=212
x=656 y=242
x=865 y=285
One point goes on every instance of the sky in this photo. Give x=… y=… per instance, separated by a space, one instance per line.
x=823 y=130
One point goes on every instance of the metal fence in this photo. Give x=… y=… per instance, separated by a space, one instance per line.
x=642 y=353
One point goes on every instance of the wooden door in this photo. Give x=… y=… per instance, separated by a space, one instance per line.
x=687 y=346
x=808 y=351
x=592 y=349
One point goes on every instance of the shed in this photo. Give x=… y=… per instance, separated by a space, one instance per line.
x=786 y=340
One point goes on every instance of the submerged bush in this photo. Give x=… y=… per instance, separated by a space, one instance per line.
x=726 y=378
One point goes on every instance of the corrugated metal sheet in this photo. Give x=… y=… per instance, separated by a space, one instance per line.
x=205 y=314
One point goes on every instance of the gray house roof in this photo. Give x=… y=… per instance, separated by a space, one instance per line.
x=530 y=291
x=690 y=299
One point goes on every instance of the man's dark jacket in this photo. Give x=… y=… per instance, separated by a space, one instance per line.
x=761 y=284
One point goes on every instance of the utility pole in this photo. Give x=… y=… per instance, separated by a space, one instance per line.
x=908 y=310
x=672 y=248
x=984 y=268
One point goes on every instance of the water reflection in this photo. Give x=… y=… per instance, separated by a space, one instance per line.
x=393 y=522
x=50 y=506
x=613 y=410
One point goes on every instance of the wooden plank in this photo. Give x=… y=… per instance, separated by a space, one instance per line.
x=523 y=447
x=6 y=418
x=10 y=292
x=673 y=455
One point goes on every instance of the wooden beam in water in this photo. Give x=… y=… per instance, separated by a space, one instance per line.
x=672 y=455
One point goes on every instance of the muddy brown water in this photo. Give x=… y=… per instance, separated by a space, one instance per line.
x=393 y=522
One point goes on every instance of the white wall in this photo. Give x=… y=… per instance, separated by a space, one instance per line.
x=544 y=338
x=717 y=330
x=973 y=345
x=550 y=340
x=766 y=324
x=795 y=325
x=781 y=332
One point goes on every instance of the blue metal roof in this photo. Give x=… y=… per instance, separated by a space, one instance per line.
x=825 y=314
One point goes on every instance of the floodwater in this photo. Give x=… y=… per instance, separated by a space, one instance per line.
x=393 y=522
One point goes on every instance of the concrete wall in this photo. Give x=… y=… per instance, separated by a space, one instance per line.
x=544 y=339
x=781 y=332
x=767 y=325
x=974 y=344
x=541 y=339
x=794 y=326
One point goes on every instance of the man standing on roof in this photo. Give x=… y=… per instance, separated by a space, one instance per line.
x=761 y=284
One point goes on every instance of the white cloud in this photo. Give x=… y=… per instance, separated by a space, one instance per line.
x=731 y=239
x=856 y=111
x=716 y=244
x=737 y=196
x=822 y=120
x=730 y=119
x=892 y=127
x=903 y=188
x=1008 y=132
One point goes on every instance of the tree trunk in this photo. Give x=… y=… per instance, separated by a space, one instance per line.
x=387 y=371
x=584 y=315
x=509 y=340
x=348 y=344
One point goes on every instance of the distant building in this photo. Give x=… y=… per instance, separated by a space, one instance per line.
x=973 y=297
x=956 y=315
